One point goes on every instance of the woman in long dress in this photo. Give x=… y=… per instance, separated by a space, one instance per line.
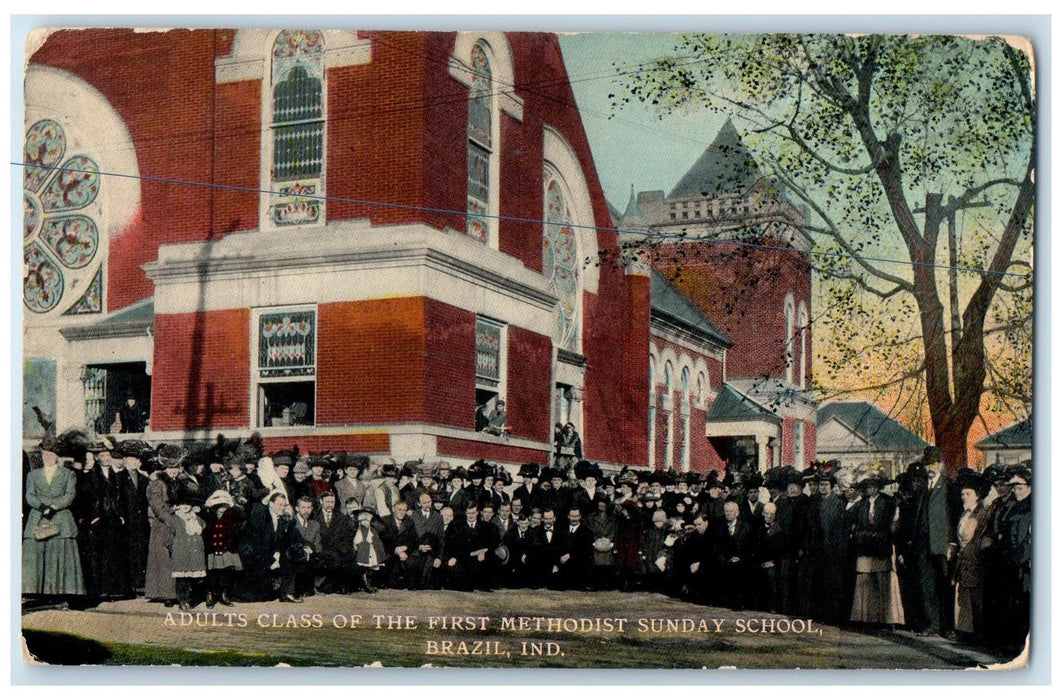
x=51 y=564
x=877 y=590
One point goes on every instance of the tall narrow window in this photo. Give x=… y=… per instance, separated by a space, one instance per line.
x=652 y=413
x=788 y=350
x=669 y=419
x=286 y=367
x=298 y=127
x=560 y=261
x=802 y=320
x=480 y=133
x=798 y=444
x=685 y=419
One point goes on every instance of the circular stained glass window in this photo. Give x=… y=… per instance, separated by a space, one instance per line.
x=58 y=235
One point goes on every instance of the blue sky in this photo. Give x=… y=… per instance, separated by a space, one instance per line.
x=636 y=146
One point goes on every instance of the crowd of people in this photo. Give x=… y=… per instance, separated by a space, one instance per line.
x=221 y=523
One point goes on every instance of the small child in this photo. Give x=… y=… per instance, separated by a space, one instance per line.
x=189 y=558
x=223 y=558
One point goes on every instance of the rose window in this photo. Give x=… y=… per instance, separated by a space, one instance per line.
x=59 y=236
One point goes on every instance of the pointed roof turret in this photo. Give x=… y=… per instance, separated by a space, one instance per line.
x=725 y=167
x=633 y=210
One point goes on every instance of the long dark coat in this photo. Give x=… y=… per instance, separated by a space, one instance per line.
x=158 y=579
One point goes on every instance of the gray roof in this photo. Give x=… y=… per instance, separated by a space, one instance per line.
x=133 y=320
x=872 y=424
x=730 y=404
x=669 y=303
x=633 y=210
x=725 y=167
x=1015 y=435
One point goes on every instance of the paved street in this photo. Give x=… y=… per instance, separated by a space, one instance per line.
x=505 y=629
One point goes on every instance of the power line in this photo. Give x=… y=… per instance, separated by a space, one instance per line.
x=645 y=233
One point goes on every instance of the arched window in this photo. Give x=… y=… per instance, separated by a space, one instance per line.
x=702 y=388
x=298 y=128
x=560 y=260
x=802 y=321
x=481 y=121
x=790 y=318
x=669 y=418
x=652 y=412
x=685 y=419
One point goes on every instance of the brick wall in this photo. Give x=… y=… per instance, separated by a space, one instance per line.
x=201 y=376
x=742 y=291
x=371 y=362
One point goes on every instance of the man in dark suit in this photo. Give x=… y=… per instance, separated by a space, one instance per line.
x=695 y=560
x=269 y=547
x=107 y=530
x=941 y=507
x=575 y=555
x=428 y=526
x=734 y=552
x=134 y=482
x=336 y=557
x=310 y=531
x=402 y=544
x=545 y=542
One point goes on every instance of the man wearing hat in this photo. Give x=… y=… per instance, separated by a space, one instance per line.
x=351 y=486
x=1017 y=544
x=386 y=494
x=107 y=534
x=134 y=482
x=829 y=551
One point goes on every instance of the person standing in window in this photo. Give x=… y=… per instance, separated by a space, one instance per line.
x=132 y=415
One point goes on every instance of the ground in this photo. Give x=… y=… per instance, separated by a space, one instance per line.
x=501 y=629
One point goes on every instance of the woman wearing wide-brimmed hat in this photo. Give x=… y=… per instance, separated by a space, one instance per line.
x=877 y=590
x=51 y=564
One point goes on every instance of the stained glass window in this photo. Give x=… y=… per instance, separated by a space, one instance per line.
x=298 y=119
x=480 y=106
x=488 y=350
x=560 y=262
x=286 y=344
x=59 y=234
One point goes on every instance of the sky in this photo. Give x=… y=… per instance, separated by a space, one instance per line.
x=636 y=146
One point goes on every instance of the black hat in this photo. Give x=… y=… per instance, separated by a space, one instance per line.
x=529 y=470
x=283 y=458
x=478 y=469
x=104 y=444
x=139 y=448
x=1019 y=471
x=389 y=470
x=996 y=472
x=584 y=469
x=916 y=470
x=969 y=479
x=931 y=455
x=170 y=456
x=459 y=473
x=752 y=481
x=711 y=479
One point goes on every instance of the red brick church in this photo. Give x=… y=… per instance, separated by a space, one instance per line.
x=355 y=240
